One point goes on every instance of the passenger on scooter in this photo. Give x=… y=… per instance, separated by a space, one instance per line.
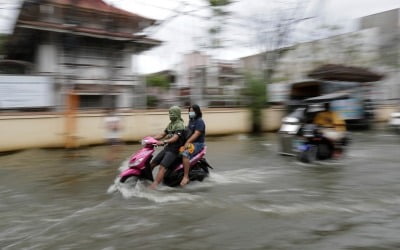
x=174 y=140
x=196 y=141
x=333 y=126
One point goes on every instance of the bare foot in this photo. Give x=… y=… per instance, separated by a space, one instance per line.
x=184 y=181
x=153 y=185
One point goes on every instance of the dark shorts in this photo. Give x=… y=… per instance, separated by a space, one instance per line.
x=165 y=158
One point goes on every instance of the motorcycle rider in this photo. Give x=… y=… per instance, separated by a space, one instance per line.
x=333 y=126
x=196 y=141
x=174 y=140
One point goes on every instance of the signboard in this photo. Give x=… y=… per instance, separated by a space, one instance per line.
x=351 y=108
x=25 y=92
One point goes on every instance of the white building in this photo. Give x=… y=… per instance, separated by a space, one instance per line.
x=358 y=48
x=208 y=81
x=375 y=45
x=388 y=36
x=82 y=45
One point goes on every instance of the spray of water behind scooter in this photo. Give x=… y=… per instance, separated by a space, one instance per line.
x=164 y=194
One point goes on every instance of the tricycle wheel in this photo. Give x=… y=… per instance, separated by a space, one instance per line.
x=309 y=155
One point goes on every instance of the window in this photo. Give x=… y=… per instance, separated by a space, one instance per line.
x=96 y=101
x=46 y=9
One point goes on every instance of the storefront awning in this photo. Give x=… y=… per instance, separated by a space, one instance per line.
x=337 y=72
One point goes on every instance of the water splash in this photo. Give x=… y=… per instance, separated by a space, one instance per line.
x=246 y=175
x=300 y=208
x=288 y=190
x=242 y=137
x=124 y=165
x=72 y=216
x=163 y=194
x=357 y=206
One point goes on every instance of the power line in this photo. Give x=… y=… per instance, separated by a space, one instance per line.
x=191 y=13
x=240 y=22
x=187 y=13
x=288 y=21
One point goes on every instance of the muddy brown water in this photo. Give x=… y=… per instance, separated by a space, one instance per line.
x=253 y=199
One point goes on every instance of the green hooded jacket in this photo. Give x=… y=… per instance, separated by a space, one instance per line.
x=176 y=126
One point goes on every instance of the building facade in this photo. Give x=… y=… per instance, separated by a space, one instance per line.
x=374 y=45
x=209 y=82
x=387 y=25
x=358 y=48
x=160 y=89
x=85 y=46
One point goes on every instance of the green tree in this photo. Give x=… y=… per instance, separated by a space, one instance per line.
x=219 y=3
x=256 y=98
x=272 y=36
x=152 y=101
x=158 y=80
x=218 y=20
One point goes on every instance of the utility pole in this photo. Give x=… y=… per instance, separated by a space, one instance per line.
x=72 y=99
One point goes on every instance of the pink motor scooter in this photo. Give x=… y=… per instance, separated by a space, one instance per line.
x=139 y=166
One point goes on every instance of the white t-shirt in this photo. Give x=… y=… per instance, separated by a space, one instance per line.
x=113 y=127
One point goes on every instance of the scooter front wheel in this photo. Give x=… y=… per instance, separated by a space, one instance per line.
x=130 y=179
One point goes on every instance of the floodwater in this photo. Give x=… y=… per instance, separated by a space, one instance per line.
x=253 y=199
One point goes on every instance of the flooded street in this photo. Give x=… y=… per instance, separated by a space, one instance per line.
x=253 y=199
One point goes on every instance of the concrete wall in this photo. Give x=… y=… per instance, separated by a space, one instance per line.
x=272 y=118
x=384 y=111
x=19 y=132
x=47 y=130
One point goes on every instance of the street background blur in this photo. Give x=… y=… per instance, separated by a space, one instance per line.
x=75 y=74
x=71 y=60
